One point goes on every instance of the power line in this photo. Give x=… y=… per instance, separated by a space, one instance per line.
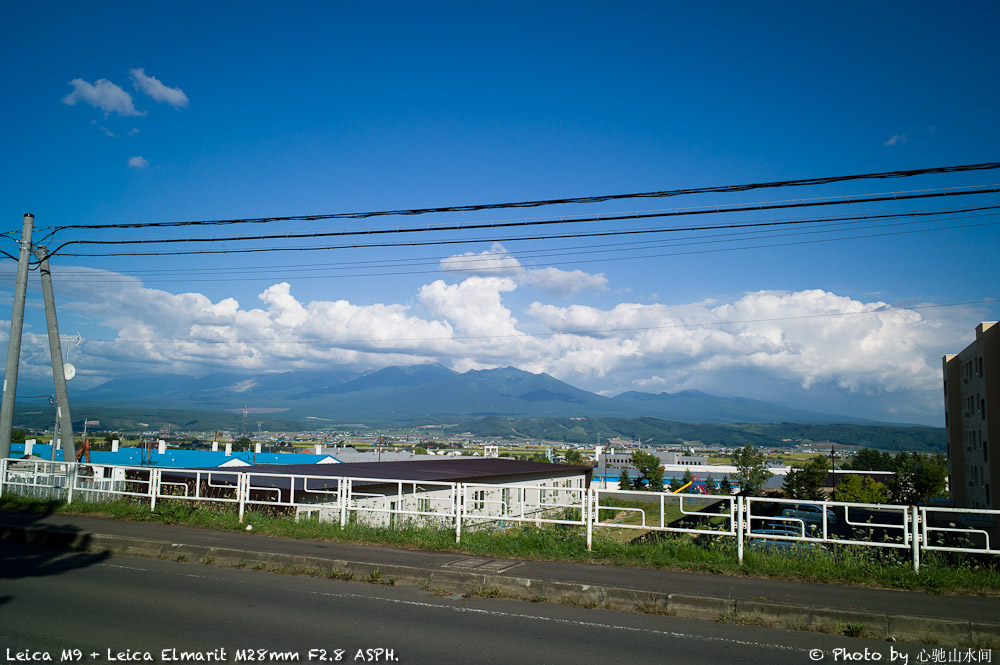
x=492 y=225
x=559 y=201
x=341 y=265
x=605 y=248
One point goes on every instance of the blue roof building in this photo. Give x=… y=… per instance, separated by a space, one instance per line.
x=176 y=458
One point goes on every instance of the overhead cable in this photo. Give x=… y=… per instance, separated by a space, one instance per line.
x=547 y=202
x=368 y=232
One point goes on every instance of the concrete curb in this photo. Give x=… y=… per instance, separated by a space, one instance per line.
x=929 y=630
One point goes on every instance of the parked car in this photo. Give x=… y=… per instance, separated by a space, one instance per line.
x=773 y=544
x=790 y=528
x=809 y=514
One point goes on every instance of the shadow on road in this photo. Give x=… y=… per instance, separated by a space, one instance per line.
x=32 y=546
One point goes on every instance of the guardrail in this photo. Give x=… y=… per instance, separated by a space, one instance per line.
x=750 y=521
x=963 y=530
x=538 y=504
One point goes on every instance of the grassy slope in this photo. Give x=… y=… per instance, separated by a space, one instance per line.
x=939 y=572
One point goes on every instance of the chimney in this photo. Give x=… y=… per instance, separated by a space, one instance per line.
x=29 y=444
x=215 y=446
x=161 y=447
x=229 y=449
x=256 y=448
x=114 y=445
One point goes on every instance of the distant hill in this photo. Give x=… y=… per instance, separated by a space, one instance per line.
x=405 y=394
x=653 y=431
x=151 y=418
x=699 y=407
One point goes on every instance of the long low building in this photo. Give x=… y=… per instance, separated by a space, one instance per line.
x=422 y=488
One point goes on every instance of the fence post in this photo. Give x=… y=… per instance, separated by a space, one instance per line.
x=154 y=488
x=342 y=492
x=589 y=516
x=70 y=481
x=738 y=515
x=459 y=493
x=915 y=537
x=242 y=489
x=3 y=474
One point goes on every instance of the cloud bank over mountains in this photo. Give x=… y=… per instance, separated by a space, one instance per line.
x=808 y=349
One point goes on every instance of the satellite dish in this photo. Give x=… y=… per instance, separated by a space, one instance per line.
x=69 y=371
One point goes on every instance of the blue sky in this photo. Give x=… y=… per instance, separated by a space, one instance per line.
x=253 y=110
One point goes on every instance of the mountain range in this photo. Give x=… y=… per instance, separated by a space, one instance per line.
x=429 y=393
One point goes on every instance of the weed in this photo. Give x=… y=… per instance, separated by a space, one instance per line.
x=242 y=563
x=208 y=560
x=484 y=592
x=745 y=620
x=651 y=608
x=375 y=577
x=180 y=557
x=337 y=574
x=259 y=566
x=854 y=630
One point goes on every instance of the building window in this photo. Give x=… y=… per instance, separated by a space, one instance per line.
x=986 y=451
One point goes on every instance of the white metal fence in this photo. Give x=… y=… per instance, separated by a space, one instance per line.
x=754 y=522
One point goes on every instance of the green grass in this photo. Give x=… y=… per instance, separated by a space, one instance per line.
x=846 y=564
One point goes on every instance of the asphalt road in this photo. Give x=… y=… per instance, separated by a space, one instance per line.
x=109 y=608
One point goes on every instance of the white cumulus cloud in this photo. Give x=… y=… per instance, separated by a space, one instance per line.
x=498 y=261
x=104 y=95
x=812 y=348
x=138 y=162
x=155 y=89
x=896 y=139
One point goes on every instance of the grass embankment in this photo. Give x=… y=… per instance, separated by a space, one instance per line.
x=847 y=564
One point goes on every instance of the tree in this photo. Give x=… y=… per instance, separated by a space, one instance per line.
x=624 y=482
x=687 y=478
x=242 y=443
x=918 y=479
x=860 y=489
x=867 y=459
x=574 y=457
x=806 y=481
x=650 y=471
x=725 y=487
x=419 y=450
x=17 y=436
x=751 y=470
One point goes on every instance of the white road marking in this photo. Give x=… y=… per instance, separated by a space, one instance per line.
x=496 y=613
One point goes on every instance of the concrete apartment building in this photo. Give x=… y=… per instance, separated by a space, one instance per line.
x=623 y=460
x=972 y=419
